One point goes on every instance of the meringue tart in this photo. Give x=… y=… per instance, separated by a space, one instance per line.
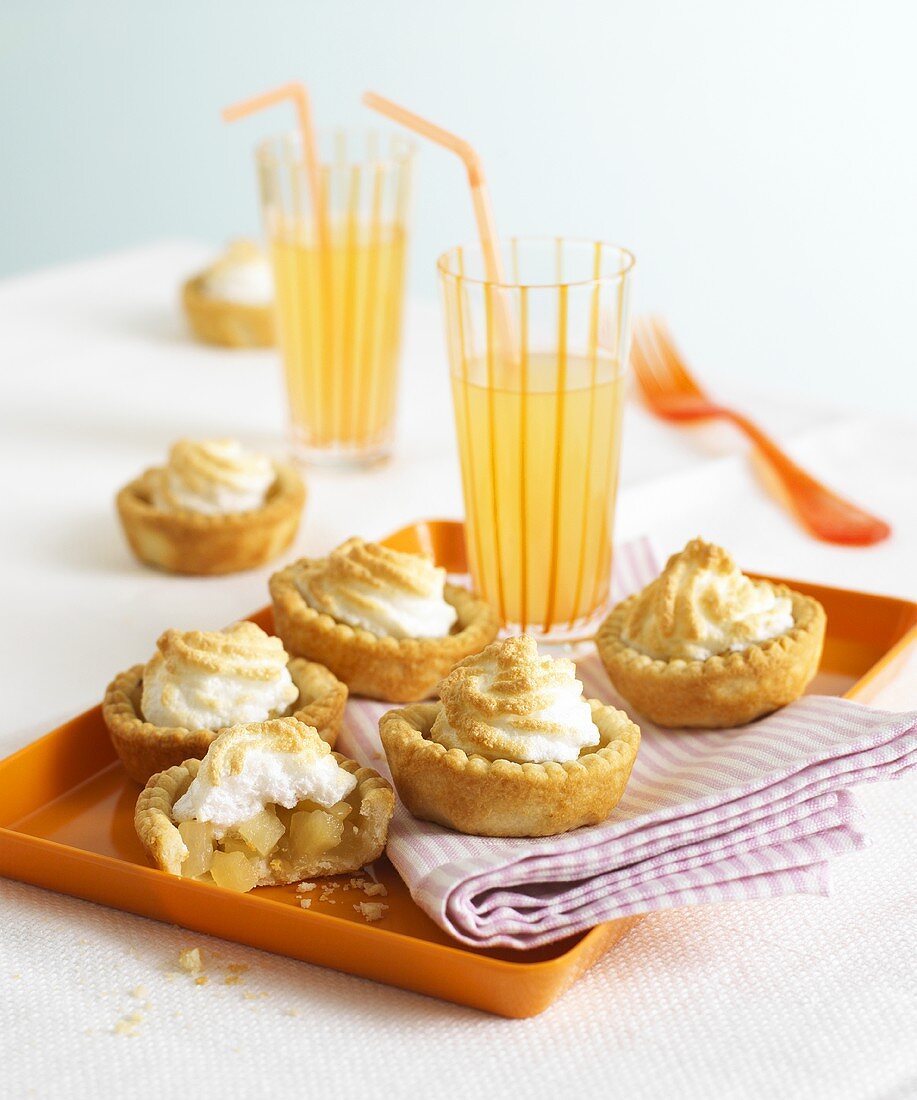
x=231 y=302
x=513 y=749
x=214 y=508
x=703 y=646
x=269 y=804
x=386 y=623
x=199 y=682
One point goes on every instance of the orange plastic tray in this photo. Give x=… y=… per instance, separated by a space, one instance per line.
x=66 y=823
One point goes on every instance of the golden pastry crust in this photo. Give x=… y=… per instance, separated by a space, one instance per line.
x=500 y=797
x=205 y=545
x=392 y=669
x=728 y=689
x=162 y=841
x=145 y=749
x=226 y=324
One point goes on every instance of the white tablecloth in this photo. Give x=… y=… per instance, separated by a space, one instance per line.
x=797 y=997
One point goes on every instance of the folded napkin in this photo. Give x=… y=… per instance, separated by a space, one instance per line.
x=720 y=815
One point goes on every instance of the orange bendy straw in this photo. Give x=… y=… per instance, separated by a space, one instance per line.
x=299 y=95
x=480 y=196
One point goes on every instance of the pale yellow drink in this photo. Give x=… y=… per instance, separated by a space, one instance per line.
x=339 y=271
x=535 y=363
x=339 y=310
x=539 y=455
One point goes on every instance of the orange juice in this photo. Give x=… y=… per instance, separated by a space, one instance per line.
x=538 y=440
x=339 y=306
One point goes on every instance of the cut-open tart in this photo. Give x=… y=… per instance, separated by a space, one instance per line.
x=269 y=804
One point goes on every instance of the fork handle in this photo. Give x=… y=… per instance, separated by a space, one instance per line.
x=827 y=515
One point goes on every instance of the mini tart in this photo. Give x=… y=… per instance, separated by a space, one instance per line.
x=189 y=542
x=728 y=689
x=500 y=797
x=145 y=748
x=226 y=324
x=391 y=669
x=372 y=800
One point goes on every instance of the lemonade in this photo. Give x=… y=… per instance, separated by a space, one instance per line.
x=339 y=307
x=538 y=441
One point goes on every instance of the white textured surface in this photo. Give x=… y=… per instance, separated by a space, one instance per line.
x=808 y=997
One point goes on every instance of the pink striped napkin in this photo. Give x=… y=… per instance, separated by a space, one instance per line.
x=728 y=814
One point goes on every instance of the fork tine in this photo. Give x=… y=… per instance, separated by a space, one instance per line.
x=641 y=361
x=681 y=378
x=656 y=369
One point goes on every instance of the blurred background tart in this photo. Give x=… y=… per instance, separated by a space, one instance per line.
x=231 y=303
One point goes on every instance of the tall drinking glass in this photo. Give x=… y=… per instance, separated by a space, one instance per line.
x=536 y=365
x=339 y=288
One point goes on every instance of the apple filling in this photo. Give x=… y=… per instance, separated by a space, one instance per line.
x=275 y=842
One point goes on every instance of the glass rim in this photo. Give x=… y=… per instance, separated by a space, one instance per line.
x=285 y=147
x=629 y=261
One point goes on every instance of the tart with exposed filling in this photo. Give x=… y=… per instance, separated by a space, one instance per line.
x=269 y=804
x=512 y=749
x=385 y=622
x=213 y=508
x=704 y=646
x=199 y=682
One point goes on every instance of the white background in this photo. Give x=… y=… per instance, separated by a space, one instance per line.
x=758 y=158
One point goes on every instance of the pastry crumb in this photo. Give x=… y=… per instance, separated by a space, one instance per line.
x=371 y=910
x=202 y=979
x=375 y=890
x=306 y=887
x=127 y=1025
x=189 y=959
x=234 y=972
x=305 y=903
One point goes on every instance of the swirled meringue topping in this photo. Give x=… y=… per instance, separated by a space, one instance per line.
x=380 y=590
x=207 y=680
x=241 y=275
x=702 y=605
x=246 y=767
x=509 y=703
x=213 y=477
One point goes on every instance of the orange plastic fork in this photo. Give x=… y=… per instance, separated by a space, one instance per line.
x=672 y=393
